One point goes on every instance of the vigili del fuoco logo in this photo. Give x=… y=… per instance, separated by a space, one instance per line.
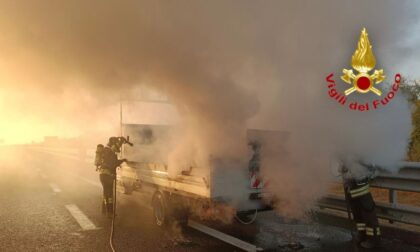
x=362 y=79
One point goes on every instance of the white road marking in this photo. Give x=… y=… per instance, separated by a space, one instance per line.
x=55 y=188
x=81 y=218
x=224 y=237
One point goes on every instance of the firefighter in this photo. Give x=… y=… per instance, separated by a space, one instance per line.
x=106 y=162
x=361 y=204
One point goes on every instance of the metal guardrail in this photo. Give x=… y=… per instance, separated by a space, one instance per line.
x=398 y=213
x=407 y=179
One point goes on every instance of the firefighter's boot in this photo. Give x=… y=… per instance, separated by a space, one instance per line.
x=373 y=238
x=370 y=243
x=360 y=234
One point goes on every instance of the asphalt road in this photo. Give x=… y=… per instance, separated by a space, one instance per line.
x=51 y=202
x=35 y=189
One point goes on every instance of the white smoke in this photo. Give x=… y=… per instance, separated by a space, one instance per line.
x=226 y=66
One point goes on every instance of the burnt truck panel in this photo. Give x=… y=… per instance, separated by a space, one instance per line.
x=149 y=143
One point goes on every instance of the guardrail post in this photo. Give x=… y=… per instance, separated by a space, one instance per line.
x=392 y=197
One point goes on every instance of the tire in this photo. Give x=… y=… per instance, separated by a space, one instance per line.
x=160 y=209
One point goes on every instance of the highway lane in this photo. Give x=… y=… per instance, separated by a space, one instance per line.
x=32 y=217
x=43 y=197
x=35 y=189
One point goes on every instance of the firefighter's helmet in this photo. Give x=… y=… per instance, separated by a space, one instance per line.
x=114 y=144
x=112 y=141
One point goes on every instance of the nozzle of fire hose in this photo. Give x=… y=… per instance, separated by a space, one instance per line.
x=124 y=140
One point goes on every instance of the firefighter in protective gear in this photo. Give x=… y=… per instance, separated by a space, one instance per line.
x=362 y=206
x=106 y=161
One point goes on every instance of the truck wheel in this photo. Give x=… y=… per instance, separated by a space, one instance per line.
x=159 y=209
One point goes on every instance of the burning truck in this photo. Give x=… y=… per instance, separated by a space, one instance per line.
x=224 y=190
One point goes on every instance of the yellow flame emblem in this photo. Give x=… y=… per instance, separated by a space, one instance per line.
x=363 y=61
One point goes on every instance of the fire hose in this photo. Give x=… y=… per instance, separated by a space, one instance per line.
x=247 y=222
x=111 y=236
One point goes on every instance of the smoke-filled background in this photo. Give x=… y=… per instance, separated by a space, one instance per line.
x=225 y=65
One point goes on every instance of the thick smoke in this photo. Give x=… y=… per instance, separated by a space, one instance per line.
x=225 y=65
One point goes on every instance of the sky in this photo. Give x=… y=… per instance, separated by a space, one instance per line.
x=225 y=66
x=64 y=66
